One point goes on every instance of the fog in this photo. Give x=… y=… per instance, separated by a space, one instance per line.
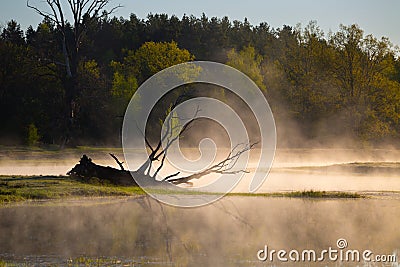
x=230 y=232
x=286 y=173
x=226 y=233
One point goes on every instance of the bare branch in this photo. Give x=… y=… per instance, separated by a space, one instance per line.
x=172 y=175
x=51 y=17
x=170 y=130
x=223 y=167
x=55 y=13
x=79 y=9
x=161 y=165
x=112 y=10
x=118 y=162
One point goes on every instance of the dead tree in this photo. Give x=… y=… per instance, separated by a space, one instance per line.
x=83 y=12
x=158 y=153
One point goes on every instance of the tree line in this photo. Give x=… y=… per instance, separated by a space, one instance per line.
x=320 y=85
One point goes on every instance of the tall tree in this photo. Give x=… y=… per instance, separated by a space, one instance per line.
x=363 y=65
x=306 y=65
x=13 y=33
x=153 y=57
x=139 y=65
x=82 y=12
x=249 y=62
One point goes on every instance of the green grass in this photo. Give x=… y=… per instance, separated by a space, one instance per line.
x=12 y=264
x=303 y=194
x=22 y=188
x=78 y=262
x=102 y=261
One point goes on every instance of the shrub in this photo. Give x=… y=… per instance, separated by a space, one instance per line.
x=33 y=135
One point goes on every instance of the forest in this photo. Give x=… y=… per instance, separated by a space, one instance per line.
x=322 y=87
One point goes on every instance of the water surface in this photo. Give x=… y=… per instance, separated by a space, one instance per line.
x=226 y=233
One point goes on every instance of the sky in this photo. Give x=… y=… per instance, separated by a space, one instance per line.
x=377 y=17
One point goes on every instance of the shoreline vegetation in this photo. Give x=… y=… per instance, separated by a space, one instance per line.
x=19 y=189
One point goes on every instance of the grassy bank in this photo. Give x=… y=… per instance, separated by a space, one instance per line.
x=75 y=262
x=23 y=188
x=304 y=194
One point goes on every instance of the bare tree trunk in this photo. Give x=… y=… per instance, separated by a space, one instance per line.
x=82 y=13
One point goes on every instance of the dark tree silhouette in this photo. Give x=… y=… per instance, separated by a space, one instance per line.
x=83 y=13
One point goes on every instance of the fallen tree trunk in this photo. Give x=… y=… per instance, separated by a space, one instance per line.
x=86 y=170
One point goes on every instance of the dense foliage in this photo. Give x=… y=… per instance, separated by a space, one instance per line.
x=346 y=84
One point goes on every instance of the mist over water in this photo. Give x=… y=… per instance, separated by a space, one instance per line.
x=286 y=173
x=229 y=232
x=226 y=233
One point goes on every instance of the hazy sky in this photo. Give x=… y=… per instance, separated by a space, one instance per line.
x=379 y=17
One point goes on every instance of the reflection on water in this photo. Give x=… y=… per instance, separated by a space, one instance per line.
x=227 y=233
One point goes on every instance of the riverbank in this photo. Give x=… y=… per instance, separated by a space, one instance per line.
x=16 y=188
